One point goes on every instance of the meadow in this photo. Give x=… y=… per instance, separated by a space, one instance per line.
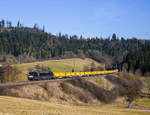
x=63 y=65
x=20 y=106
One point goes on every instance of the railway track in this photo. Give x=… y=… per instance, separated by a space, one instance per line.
x=52 y=80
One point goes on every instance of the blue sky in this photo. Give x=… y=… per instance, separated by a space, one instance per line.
x=102 y=18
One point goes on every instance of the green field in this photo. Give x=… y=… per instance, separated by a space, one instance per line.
x=63 y=65
x=20 y=106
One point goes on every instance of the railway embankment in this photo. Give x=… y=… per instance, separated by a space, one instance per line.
x=90 y=91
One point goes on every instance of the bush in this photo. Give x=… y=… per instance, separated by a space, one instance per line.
x=76 y=92
x=9 y=74
x=39 y=68
x=8 y=59
x=147 y=74
x=132 y=86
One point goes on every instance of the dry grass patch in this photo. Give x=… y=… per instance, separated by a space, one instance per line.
x=19 y=106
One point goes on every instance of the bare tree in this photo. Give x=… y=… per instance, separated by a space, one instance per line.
x=9 y=74
x=40 y=68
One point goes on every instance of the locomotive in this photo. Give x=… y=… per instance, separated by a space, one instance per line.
x=55 y=75
x=40 y=76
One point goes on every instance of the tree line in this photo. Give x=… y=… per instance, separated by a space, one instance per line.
x=139 y=60
x=27 y=44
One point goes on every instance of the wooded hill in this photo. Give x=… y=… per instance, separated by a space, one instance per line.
x=24 y=44
x=139 y=60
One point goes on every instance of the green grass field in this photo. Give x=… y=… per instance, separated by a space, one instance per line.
x=64 y=65
x=20 y=106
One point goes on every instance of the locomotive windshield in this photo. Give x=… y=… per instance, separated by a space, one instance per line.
x=33 y=73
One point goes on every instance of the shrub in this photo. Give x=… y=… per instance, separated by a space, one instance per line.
x=40 y=68
x=76 y=92
x=9 y=74
x=8 y=59
x=65 y=87
x=132 y=86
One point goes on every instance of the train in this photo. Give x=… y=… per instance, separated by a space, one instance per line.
x=58 y=75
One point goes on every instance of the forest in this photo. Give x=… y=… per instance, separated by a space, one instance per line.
x=139 y=60
x=20 y=44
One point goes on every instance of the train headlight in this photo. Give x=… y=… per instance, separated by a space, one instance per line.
x=30 y=76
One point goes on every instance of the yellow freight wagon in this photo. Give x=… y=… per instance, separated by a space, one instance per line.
x=52 y=75
x=72 y=74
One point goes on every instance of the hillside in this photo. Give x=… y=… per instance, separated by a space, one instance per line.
x=20 y=106
x=88 y=91
x=139 y=60
x=64 y=65
x=90 y=96
x=27 y=44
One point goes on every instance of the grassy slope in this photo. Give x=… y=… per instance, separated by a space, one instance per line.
x=143 y=103
x=19 y=106
x=146 y=81
x=64 y=65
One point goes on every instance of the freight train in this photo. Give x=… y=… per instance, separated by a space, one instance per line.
x=55 y=75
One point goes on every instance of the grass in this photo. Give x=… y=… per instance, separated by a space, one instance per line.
x=64 y=65
x=20 y=106
x=144 y=103
x=146 y=81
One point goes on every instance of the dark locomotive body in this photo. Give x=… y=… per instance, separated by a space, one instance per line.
x=40 y=76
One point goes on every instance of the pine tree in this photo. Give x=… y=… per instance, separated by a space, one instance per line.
x=114 y=37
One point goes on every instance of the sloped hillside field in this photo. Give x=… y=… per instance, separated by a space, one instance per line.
x=20 y=106
x=89 y=91
x=63 y=65
x=90 y=96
